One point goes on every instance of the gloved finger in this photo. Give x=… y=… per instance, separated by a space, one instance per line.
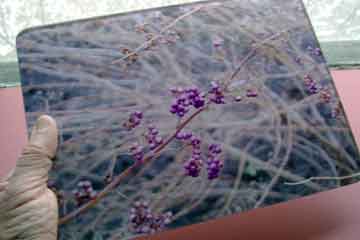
x=42 y=145
x=28 y=208
x=4 y=181
x=3 y=185
x=31 y=172
x=44 y=135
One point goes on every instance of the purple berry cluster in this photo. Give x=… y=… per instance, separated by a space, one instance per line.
x=193 y=97
x=84 y=192
x=311 y=86
x=144 y=221
x=184 y=135
x=153 y=138
x=336 y=111
x=217 y=41
x=194 y=165
x=315 y=51
x=134 y=120
x=214 y=164
x=325 y=96
x=216 y=94
x=137 y=151
x=185 y=99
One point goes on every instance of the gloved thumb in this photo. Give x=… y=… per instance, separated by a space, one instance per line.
x=28 y=209
x=44 y=136
x=32 y=167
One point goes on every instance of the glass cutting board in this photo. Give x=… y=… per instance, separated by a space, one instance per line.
x=178 y=115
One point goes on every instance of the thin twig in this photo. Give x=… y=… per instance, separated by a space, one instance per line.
x=251 y=54
x=323 y=178
x=127 y=172
x=157 y=36
x=281 y=168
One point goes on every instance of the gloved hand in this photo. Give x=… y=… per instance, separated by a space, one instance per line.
x=28 y=209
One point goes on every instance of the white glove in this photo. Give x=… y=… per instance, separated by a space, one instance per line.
x=28 y=209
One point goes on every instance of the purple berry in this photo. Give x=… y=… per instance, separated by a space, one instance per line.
x=84 y=192
x=216 y=94
x=153 y=138
x=195 y=141
x=335 y=112
x=215 y=149
x=193 y=167
x=325 y=96
x=198 y=102
x=137 y=152
x=317 y=52
x=218 y=42
x=238 y=99
x=138 y=114
x=311 y=85
x=213 y=168
x=188 y=135
x=182 y=135
x=251 y=93
x=214 y=164
x=184 y=99
x=143 y=221
x=134 y=120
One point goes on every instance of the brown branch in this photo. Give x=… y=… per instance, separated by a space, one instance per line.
x=128 y=171
x=355 y=175
x=155 y=37
x=251 y=54
x=154 y=154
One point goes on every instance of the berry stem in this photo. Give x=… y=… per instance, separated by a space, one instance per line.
x=252 y=53
x=128 y=171
x=155 y=37
x=355 y=175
